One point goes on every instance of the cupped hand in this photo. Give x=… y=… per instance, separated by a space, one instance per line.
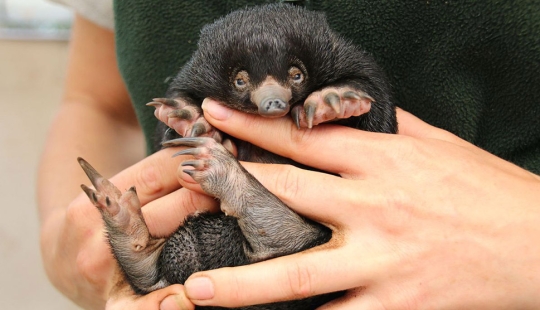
x=95 y=273
x=421 y=220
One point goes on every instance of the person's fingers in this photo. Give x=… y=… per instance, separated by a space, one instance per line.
x=321 y=147
x=291 y=277
x=410 y=125
x=173 y=299
x=153 y=177
x=176 y=302
x=310 y=192
x=165 y=204
x=165 y=214
x=312 y=147
x=307 y=192
x=169 y=298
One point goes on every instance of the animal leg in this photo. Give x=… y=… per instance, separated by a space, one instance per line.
x=136 y=251
x=270 y=227
x=184 y=117
x=329 y=104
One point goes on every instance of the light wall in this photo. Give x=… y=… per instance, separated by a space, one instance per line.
x=31 y=79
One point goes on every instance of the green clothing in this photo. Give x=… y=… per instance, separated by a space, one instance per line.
x=471 y=67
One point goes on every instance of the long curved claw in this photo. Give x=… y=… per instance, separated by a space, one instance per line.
x=193 y=151
x=351 y=95
x=90 y=193
x=310 y=108
x=295 y=114
x=92 y=173
x=332 y=99
x=106 y=195
x=197 y=164
x=356 y=96
x=99 y=182
x=181 y=114
x=154 y=104
x=198 y=129
x=189 y=172
x=166 y=101
x=192 y=141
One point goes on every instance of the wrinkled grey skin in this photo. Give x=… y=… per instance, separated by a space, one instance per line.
x=272 y=60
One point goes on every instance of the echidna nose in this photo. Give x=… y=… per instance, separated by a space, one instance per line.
x=273 y=107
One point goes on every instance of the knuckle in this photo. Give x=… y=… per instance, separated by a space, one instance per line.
x=82 y=249
x=190 y=202
x=300 y=280
x=404 y=145
x=288 y=183
x=450 y=137
x=406 y=151
x=91 y=266
x=148 y=181
x=78 y=214
x=399 y=199
x=235 y=293
x=86 y=268
x=73 y=213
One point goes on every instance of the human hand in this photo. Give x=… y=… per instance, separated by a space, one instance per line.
x=82 y=237
x=422 y=219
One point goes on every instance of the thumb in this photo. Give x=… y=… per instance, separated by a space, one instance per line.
x=169 y=298
x=293 y=277
x=176 y=302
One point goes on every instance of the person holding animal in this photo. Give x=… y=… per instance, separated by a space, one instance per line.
x=268 y=70
x=439 y=207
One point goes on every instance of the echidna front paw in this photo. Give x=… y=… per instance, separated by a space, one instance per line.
x=185 y=118
x=331 y=103
x=212 y=165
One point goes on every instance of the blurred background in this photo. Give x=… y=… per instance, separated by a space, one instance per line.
x=33 y=55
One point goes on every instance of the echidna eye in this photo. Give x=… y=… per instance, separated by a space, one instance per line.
x=239 y=82
x=296 y=75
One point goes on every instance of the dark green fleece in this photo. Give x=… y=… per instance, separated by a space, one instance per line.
x=471 y=67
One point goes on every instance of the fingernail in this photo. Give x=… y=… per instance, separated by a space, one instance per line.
x=174 y=302
x=200 y=288
x=216 y=110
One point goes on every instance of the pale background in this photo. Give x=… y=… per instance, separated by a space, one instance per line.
x=32 y=66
